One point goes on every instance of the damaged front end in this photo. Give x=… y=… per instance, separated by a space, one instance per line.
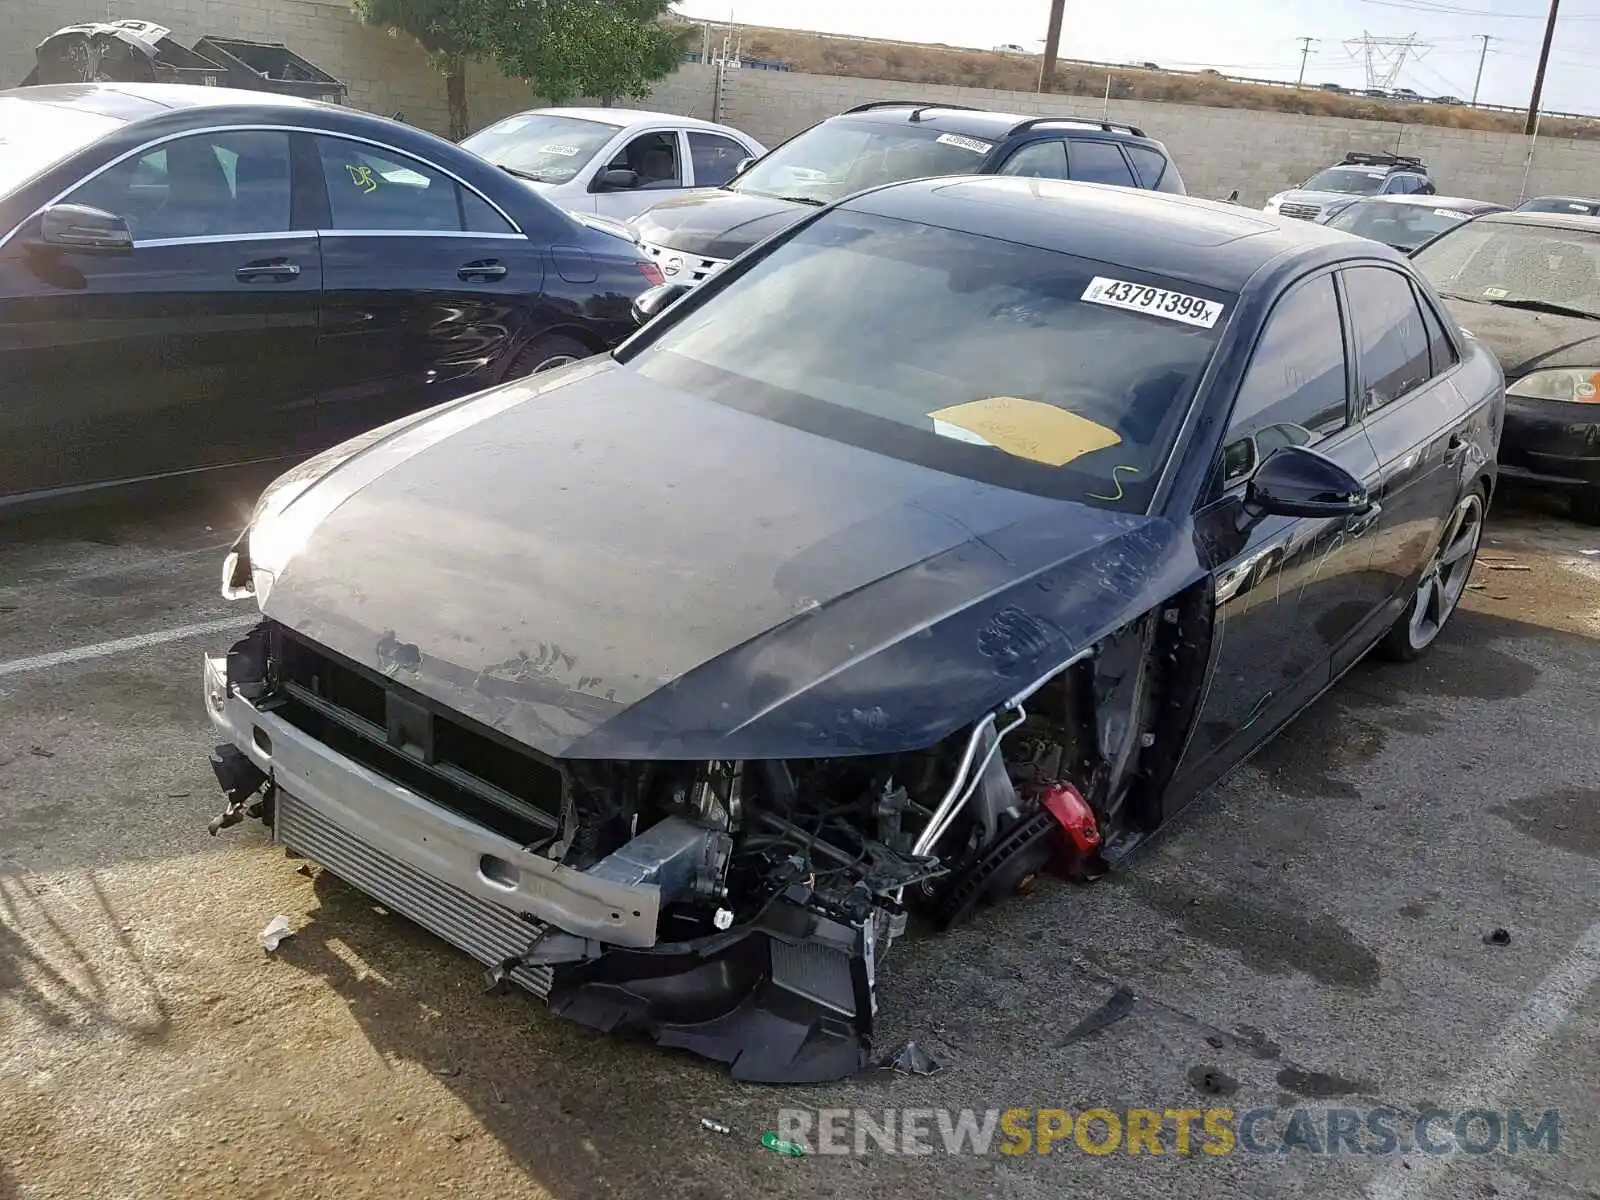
x=739 y=910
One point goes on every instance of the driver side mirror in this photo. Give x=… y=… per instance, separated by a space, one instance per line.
x=653 y=301
x=85 y=230
x=1297 y=482
x=745 y=164
x=616 y=179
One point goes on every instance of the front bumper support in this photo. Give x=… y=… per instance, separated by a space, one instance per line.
x=787 y=998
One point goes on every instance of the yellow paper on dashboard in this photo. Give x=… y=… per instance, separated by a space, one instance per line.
x=1029 y=429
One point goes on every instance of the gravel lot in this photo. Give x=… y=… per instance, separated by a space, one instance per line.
x=1310 y=933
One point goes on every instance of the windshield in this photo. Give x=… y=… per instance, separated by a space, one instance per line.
x=1004 y=363
x=539 y=146
x=1405 y=226
x=834 y=159
x=1497 y=262
x=1588 y=208
x=1354 y=181
x=35 y=136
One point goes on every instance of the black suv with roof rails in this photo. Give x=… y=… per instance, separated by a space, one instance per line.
x=887 y=141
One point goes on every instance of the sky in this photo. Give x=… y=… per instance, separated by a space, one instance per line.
x=1241 y=37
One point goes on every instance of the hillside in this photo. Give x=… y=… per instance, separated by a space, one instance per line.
x=830 y=54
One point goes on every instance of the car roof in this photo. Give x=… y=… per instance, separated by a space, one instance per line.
x=1579 y=222
x=1208 y=241
x=982 y=123
x=622 y=118
x=1461 y=202
x=137 y=101
x=1562 y=200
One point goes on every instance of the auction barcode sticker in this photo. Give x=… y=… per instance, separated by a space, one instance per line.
x=1158 y=302
x=965 y=143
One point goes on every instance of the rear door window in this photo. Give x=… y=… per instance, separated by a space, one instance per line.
x=1391 y=339
x=716 y=158
x=1099 y=162
x=1038 y=160
x=1441 y=351
x=379 y=189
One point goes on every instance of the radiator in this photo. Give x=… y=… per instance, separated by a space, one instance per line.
x=490 y=933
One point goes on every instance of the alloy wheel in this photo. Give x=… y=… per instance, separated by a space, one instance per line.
x=1445 y=580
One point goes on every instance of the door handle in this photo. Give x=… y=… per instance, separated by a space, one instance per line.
x=483 y=271
x=274 y=269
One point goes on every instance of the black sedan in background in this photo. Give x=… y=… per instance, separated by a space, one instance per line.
x=1407 y=222
x=1572 y=206
x=1528 y=285
x=964 y=525
x=195 y=277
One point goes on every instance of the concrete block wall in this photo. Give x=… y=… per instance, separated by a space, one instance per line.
x=1217 y=149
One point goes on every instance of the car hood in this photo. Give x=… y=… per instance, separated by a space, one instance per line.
x=1320 y=199
x=1526 y=341
x=602 y=567
x=716 y=224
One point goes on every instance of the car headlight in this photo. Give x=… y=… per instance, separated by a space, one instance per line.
x=270 y=539
x=1575 y=385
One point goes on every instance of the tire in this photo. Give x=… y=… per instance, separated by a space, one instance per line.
x=545 y=353
x=1586 y=506
x=1442 y=585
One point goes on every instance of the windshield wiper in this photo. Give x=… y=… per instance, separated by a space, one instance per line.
x=1560 y=310
x=811 y=200
x=521 y=174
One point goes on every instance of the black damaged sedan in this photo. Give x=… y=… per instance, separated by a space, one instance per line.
x=1528 y=284
x=960 y=533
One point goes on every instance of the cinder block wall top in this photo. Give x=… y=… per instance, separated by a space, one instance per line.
x=1217 y=149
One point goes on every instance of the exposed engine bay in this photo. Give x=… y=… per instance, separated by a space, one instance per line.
x=777 y=886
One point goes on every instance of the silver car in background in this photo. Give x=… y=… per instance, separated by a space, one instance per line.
x=612 y=162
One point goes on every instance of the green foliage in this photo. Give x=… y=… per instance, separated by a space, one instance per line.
x=571 y=48
x=447 y=29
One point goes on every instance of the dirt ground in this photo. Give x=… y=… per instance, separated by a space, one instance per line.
x=1312 y=932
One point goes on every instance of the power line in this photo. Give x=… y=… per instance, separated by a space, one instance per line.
x=1457 y=10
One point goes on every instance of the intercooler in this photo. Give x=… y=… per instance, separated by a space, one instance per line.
x=489 y=932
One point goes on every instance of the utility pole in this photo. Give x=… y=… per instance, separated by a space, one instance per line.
x=1052 y=46
x=1482 y=54
x=1305 y=53
x=1538 y=76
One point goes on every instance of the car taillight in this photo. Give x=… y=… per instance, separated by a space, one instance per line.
x=651 y=272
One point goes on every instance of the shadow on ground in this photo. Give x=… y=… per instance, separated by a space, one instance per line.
x=68 y=962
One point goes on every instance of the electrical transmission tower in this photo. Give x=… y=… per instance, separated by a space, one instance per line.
x=1385 y=57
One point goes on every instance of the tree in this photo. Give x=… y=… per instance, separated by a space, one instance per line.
x=450 y=31
x=569 y=48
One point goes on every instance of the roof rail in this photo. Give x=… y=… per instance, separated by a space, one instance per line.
x=920 y=106
x=1107 y=126
x=1380 y=158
